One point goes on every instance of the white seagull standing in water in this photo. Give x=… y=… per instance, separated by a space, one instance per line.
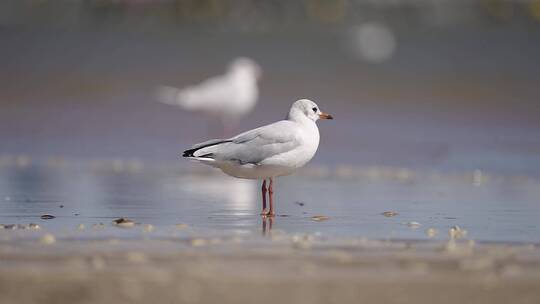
x=227 y=97
x=267 y=152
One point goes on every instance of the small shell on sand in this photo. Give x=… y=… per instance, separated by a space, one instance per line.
x=389 y=213
x=34 y=226
x=124 y=222
x=413 y=225
x=81 y=227
x=181 y=226
x=47 y=217
x=457 y=232
x=319 y=218
x=30 y=226
x=14 y=226
x=432 y=232
x=47 y=239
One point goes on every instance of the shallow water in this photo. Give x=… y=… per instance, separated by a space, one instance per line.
x=489 y=207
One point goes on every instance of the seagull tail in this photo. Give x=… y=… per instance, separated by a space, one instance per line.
x=185 y=98
x=167 y=95
x=199 y=151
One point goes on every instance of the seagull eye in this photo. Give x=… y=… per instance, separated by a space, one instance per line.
x=314 y=109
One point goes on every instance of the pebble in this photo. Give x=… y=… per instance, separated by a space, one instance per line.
x=389 y=213
x=81 y=227
x=300 y=204
x=181 y=226
x=319 y=218
x=47 y=239
x=123 y=222
x=47 y=217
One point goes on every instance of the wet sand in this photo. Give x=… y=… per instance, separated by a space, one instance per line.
x=277 y=268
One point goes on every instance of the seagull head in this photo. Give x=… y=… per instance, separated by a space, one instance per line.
x=246 y=65
x=305 y=108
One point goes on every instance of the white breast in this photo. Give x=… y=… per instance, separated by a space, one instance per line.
x=308 y=137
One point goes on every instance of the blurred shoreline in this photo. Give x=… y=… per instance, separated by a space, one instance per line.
x=304 y=268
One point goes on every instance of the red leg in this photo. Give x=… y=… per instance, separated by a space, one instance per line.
x=263 y=190
x=270 y=196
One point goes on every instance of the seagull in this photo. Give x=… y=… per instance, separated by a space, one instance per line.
x=266 y=152
x=227 y=97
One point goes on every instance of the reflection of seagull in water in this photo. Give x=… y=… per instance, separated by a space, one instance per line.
x=264 y=153
x=227 y=97
x=237 y=194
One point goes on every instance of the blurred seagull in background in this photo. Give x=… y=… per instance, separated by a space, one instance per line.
x=267 y=152
x=227 y=97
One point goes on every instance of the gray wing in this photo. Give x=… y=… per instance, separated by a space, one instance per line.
x=256 y=145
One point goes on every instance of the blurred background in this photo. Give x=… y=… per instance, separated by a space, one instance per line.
x=436 y=138
x=451 y=85
x=436 y=106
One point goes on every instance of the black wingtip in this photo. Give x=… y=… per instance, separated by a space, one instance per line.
x=188 y=153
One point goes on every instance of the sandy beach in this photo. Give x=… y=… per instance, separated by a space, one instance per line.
x=298 y=268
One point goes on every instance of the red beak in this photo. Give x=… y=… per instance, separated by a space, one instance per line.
x=325 y=116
